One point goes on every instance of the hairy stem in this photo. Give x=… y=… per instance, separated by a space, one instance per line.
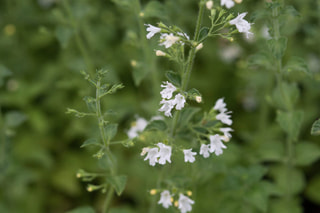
x=188 y=67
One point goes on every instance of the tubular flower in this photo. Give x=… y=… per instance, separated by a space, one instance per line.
x=226 y=131
x=167 y=106
x=205 y=150
x=189 y=155
x=152 y=30
x=137 y=127
x=165 y=199
x=185 y=203
x=152 y=156
x=242 y=25
x=224 y=117
x=168 y=39
x=216 y=145
x=227 y=3
x=168 y=90
x=179 y=101
x=164 y=153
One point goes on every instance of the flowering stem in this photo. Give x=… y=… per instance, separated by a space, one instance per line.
x=189 y=64
x=288 y=106
x=108 y=199
x=100 y=117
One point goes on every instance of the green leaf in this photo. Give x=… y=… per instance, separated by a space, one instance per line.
x=306 y=153
x=284 y=96
x=124 y=3
x=260 y=60
x=257 y=197
x=313 y=189
x=155 y=9
x=203 y=33
x=107 y=162
x=14 y=118
x=193 y=94
x=156 y=125
x=4 y=72
x=63 y=35
x=110 y=131
x=278 y=46
x=290 y=122
x=297 y=64
x=91 y=141
x=292 y=179
x=283 y=205
x=187 y=114
x=139 y=73
x=290 y=10
x=91 y=103
x=315 y=130
x=118 y=183
x=84 y=209
x=174 y=78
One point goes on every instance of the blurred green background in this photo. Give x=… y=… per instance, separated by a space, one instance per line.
x=45 y=43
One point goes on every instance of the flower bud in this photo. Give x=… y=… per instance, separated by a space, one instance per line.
x=133 y=63
x=160 y=53
x=153 y=191
x=198 y=99
x=238 y=1
x=189 y=193
x=209 y=5
x=176 y=203
x=141 y=14
x=199 y=47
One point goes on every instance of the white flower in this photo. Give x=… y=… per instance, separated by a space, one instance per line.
x=227 y=3
x=165 y=199
x=166 y=107
x=168 y=90
x=179 y=101
x=189 y=155
x=242 y=25
x=198 y=99
x=224 y=117
x=164 y=153
x=185 y=203
x=144 y=151
x=160 y=53
x=169 y=39
x=220 y=105
x=199 y=46
x=137 y=127
x=226 y=131
x=216 y=145
x=204 y=150
x=152 y=30
x=153 y=154
x=209 y=5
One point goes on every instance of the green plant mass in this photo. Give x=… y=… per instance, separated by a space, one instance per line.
x=152 y=106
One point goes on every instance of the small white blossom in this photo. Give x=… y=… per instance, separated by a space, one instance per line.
x=224 y=117
x=165 y=199
x=169 y=39
x=185 y=203
x=152 y=156
x=189 y=155
x=179 y=101
x=137 y=127
x=198 y=99
x=216 y=145
x=209 y=5
x=227 y=3
x=160 y=53
x=220 y=105
x=164 y=153
x=199 y=46
x=204 y=150
x=242 y=25
x=166 y=107
x=152 y=30
x=168 y=90
x=226 y=131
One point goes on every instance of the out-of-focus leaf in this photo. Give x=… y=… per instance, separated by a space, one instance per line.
x=313 y=189
x=91 y=141
x=173 y=77
x=63 y=35
x=154 y=9
x=110 y=130
x=297 y=64
x=124 y=3
x=290 y=10
x=4 y=72
x=290 y=122
x=285 y=206
x=91 y=103
x=118 y=183
x=84 y=209
x=306 y=153
x=156 y=125
x=284 y=96
x=315 y=130
x=14 y=118
x=260 y=60
x=278 y=46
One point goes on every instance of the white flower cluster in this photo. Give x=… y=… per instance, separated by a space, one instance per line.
x=166 y=40
x=168 y=103
x=184 y=203
x=242 y=25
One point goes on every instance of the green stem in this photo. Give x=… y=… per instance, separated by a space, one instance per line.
x=108 y=200
x=100 y=117
x=188 y=68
